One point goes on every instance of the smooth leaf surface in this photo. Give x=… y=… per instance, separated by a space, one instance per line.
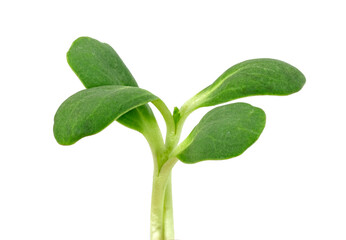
x=91 y=110
x=223 y=133
x=250 y=78
x=97 y=64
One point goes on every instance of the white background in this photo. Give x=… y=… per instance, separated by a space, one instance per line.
x=289 y=185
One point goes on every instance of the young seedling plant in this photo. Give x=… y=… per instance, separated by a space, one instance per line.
x=224 y=132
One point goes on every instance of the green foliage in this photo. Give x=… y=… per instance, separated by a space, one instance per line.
x=91 y=110
x=250 y=78
x=176 y=115
x=223 y=133
x=97 y=64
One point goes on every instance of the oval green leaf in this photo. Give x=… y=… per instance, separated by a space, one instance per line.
x=91 y=110
x=223 y=133
x=97 y=64
x=250 y=78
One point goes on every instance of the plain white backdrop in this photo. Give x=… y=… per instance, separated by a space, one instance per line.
x=291 y=184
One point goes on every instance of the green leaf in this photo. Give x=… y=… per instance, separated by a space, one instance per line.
x=91 y=110
x=250 y=78
x=97 y=64
x=140 y=119
x=176 y=115
x=223 y=133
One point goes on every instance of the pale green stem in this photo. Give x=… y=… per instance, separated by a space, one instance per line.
x=161 y=221
x=168 y=212
x=157 y=225
x=154 y=137
x=162 y=226
x=167 y=115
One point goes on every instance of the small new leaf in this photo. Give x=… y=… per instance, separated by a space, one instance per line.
x=223 y=133
x=250 y=78
x=176 y=115
x=91 y=110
